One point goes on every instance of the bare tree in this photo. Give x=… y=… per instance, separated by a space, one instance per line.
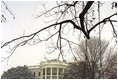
x=66 y=15
x=111 y=69
x=88 y=67
x=90 y=52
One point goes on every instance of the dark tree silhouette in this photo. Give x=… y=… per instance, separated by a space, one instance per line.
x=74 y=14
x=77 y=70
x=18 y=73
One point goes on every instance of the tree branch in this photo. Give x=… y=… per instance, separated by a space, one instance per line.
x=103 y=21
x=81 y=16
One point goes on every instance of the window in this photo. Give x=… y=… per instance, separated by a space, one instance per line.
x=34 y=73
x=60 y=71
x=54 y=77
x=43 y=71
x=43 y=77
x=54 y=71
x=48 y=77
x=48 y=71
x=39 y=73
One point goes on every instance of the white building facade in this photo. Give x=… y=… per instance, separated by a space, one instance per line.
x=52 y=69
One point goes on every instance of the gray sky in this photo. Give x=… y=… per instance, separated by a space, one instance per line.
x=25 y=23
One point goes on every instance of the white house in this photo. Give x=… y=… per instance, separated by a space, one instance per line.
x=52 y=69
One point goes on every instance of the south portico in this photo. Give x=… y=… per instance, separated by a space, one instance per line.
x=52 y=69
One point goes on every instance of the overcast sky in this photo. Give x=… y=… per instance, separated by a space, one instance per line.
x=26 y=23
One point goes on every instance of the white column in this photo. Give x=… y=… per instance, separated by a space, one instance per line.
x=63 y=70
x=41 y=74
x=51 y=73
x=57 y=73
